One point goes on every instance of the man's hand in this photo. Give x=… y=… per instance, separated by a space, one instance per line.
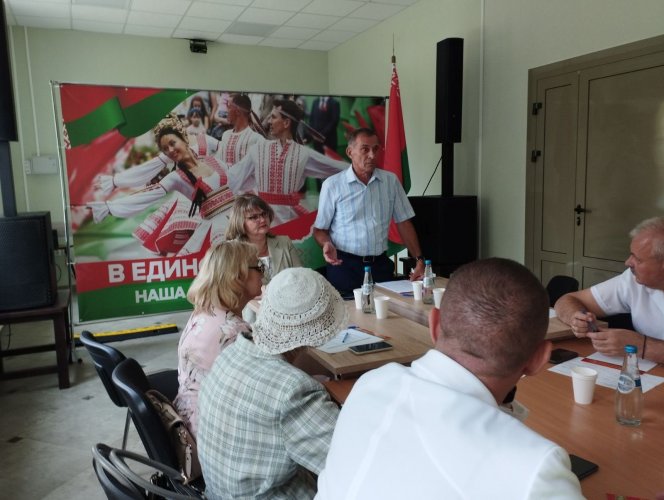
x=582 y=323
x=417 y=272
x=330 y=254
x=612 y=341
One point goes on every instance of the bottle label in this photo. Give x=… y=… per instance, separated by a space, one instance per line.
x=626 y=384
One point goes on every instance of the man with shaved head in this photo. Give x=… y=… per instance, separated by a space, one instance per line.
x=435 y=429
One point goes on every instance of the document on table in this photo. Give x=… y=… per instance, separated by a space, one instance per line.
x=608 y=370
x=402 y=287
x=346 y=338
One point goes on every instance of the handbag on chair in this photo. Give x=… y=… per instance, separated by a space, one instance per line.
x=183 y=442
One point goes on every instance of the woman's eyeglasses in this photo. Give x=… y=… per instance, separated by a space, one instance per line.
x=255 y=217
x=260 y=267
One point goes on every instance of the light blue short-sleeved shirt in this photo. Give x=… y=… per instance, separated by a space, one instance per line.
x=358 y=215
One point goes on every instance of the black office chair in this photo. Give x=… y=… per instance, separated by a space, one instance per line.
x=121 y=482
x=106 y=358
x=114 y=484
x=560 y=285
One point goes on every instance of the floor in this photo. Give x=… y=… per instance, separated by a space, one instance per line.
x=46 y=434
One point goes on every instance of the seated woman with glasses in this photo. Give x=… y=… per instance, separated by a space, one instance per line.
x=250 y=221
x=229 y=276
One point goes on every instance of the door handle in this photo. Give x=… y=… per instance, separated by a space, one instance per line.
x=579 y=210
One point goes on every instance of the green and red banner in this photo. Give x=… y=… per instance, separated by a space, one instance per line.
x=108 y=131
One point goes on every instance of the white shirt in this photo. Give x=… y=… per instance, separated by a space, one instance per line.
x=434 y=431
x=358 y=215
x=622 y=294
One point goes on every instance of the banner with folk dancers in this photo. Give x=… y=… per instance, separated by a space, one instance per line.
x=152 y=175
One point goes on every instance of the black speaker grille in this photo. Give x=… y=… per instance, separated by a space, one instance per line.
x=26 y=262
x=449 y=86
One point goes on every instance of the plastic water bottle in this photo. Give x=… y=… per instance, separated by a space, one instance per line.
x=368 y=291
x=629 y=395
x=428 y=283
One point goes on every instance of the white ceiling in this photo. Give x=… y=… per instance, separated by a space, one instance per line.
x=302 y=24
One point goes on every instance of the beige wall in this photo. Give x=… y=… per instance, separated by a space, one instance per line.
x=503 y=39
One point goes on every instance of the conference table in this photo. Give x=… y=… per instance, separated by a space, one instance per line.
x=630 y=459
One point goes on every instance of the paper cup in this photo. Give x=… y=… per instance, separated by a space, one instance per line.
x=358 y=298
x=417 y=290
x=438 y=296
x=381 y=303
x=583 y=384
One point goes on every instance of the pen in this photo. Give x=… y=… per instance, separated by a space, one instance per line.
x=344 y=338
x=591 y=324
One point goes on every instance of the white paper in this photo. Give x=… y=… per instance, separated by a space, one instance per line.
x=552 y=313
x=606 y=376
x=346 y=338
x=402 y=287
x=644 y=364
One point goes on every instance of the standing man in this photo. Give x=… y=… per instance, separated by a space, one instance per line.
x=324 y=118
x=236 y=142
x=354 y=213
x=435 y=430
x=639 y=291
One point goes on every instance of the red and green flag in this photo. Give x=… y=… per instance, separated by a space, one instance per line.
x=396 y=154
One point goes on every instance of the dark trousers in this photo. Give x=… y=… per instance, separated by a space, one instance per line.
x=350 y=273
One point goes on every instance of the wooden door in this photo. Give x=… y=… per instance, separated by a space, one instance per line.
x=595 y=160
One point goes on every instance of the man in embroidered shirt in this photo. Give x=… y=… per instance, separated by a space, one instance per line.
x=354 y=212
x=639 y=291
x=435 y=430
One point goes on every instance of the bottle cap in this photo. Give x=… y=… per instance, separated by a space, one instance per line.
x=427 y=262
x=631 y=349
x=367 y=268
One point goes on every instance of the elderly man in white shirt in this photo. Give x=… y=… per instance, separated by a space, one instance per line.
x=435 y=430
x=639 y=291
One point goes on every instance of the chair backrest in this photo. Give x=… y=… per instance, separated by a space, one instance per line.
x=114 y=484
x=132 y=383
x=105 y=359
x=560 y=285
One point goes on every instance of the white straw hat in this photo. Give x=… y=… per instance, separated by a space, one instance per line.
x=299 y=308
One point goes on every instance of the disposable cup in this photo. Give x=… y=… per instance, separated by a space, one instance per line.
x=381 y=303
x=583 y=384
x=417 y=290
x=358 y=298
x=438 y=296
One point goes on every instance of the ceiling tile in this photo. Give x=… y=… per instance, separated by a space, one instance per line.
x=244 y=3
x=199 y=34
x=251 y=29
x=161 y=6
x=377 y=11
x=336 y=8
x=334 y=36
x=240 y=39
x=84 y=12
x=196 y=23
x=312 y=21
x=294 y=33
x=291 y=5
x=396 y=2
x=40 y=9
x=282 y=43
x=215 y=11
x=265 y=16
x=354 y=25
x=58 y=23
x=153 y=19
x=96 y=26
x=155 y=31
x=316 y=45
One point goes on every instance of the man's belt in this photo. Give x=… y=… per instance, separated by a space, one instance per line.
x=369 y=259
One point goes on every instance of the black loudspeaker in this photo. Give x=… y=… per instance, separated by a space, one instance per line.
x=447 y=230
x=27 y=262
x=7 y=117
x=449 y=86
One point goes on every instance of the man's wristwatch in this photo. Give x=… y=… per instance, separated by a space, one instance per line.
x=420 y=258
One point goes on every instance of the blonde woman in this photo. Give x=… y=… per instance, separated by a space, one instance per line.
x=230 y=275
x=250 y=220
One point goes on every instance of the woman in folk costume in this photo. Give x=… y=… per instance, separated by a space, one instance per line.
x=276 y=170
x=199 y=184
